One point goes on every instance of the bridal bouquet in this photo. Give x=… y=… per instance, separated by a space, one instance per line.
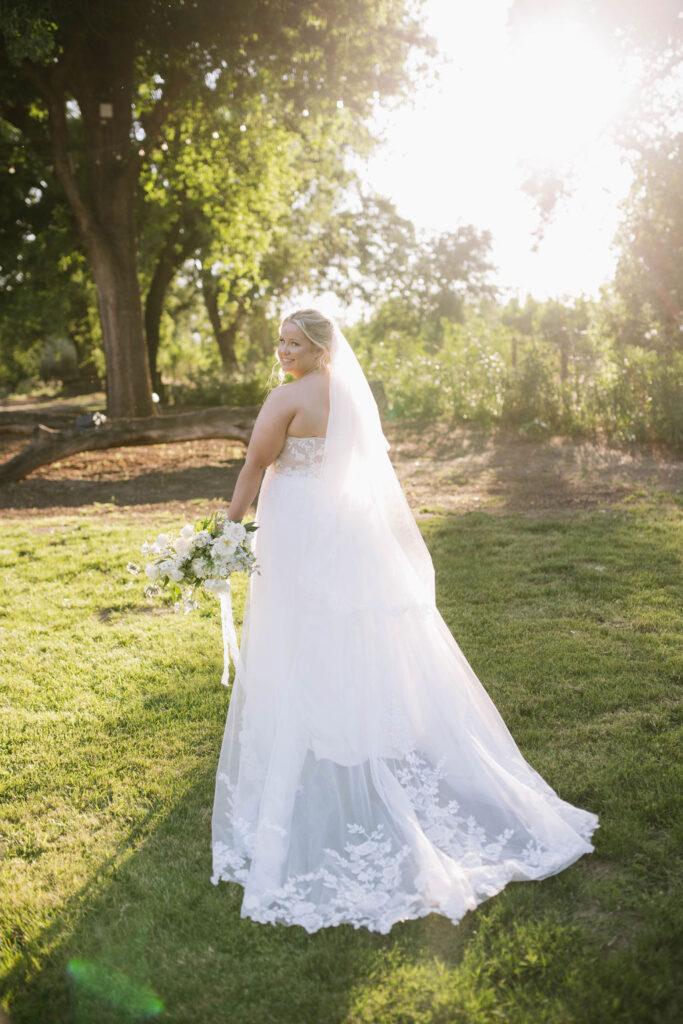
x=201 y=559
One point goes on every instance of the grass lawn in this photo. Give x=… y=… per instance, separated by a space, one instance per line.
x=112 y=718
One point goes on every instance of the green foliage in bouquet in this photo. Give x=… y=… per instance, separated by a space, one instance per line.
x=200 y=559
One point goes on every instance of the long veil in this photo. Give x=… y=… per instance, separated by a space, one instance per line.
x=367 y=550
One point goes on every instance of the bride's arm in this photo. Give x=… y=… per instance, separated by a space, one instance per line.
x=265 y=444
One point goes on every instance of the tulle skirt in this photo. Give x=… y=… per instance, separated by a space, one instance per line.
x=365 y=776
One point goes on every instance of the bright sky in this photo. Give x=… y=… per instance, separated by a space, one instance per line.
x=458 y=154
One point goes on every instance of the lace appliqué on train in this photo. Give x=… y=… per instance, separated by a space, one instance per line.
x=371 y=882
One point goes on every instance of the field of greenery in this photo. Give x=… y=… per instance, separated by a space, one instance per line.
x=112 y=718
x=564 y=374
x=544 y=369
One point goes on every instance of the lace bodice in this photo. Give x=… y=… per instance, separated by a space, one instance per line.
x=301 y=455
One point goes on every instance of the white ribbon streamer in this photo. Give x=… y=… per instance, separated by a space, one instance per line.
x=230 y=648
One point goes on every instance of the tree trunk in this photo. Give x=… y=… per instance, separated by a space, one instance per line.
x=226 y=343
x=51 y=445
x=113 y=258
x=225 y=336
x=154 y=305
x=181 y=240
x=98 y=170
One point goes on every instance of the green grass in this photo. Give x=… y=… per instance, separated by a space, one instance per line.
x=112 y=717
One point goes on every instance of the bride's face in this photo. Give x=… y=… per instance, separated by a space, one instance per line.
x=296 y=353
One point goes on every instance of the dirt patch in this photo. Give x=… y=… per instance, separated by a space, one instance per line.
x=446 y=469
x=442 y=469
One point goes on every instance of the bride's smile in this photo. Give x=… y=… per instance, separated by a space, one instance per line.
x=296 y=353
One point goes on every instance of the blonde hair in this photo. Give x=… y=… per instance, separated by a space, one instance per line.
x=318 y=328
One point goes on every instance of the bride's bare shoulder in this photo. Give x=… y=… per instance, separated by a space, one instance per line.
x=281 y=396
x=303 y=390
x=317 y=383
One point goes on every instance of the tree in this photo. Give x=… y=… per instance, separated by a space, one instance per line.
x=94 y=83
x=649 y=276
x=45 y=288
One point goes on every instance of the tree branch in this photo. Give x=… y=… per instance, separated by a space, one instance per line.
x=51 y=445
x=16 y=115
x=153 y=121
x=59 y=134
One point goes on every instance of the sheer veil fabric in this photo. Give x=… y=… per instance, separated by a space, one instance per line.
x=365 y=776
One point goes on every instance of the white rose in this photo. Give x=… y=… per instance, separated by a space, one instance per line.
x=187 y=531
x=235 y=531
x=175 y=574
x=152 y=571
x=223 y=548
x=160 y=543
x=183 y=545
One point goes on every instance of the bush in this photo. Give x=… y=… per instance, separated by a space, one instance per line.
x=532 y=398
x=630 y=393
x=213 y=386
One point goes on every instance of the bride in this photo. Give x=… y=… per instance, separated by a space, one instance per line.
x=365 y=776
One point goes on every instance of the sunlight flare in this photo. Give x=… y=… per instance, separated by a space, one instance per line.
x=564 y=90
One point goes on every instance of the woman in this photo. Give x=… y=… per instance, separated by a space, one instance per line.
x=365 y=775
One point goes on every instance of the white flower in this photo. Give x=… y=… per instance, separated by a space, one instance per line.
x=146 y=549
x=133 y=568
x=175 y=574
x=160 y=543
x=152 y=571
x=223 y=548
x=235 y=531
x=200 y=567
x=183 y=545
x=202 y=538
x=187 y=531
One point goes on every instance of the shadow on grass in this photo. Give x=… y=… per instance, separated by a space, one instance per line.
x=156 y=487
x=151 y=931
x=148 y=935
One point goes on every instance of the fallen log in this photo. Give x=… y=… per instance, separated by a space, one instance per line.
x=48 y=445
x=18 y=429
x=31 y=418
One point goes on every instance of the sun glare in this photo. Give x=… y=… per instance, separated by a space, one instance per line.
x=505 y=106
x=563 y=91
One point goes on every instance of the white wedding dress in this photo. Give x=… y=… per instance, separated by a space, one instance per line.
x=365 y=776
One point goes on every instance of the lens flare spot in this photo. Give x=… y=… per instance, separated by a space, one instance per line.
x=114 y=987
